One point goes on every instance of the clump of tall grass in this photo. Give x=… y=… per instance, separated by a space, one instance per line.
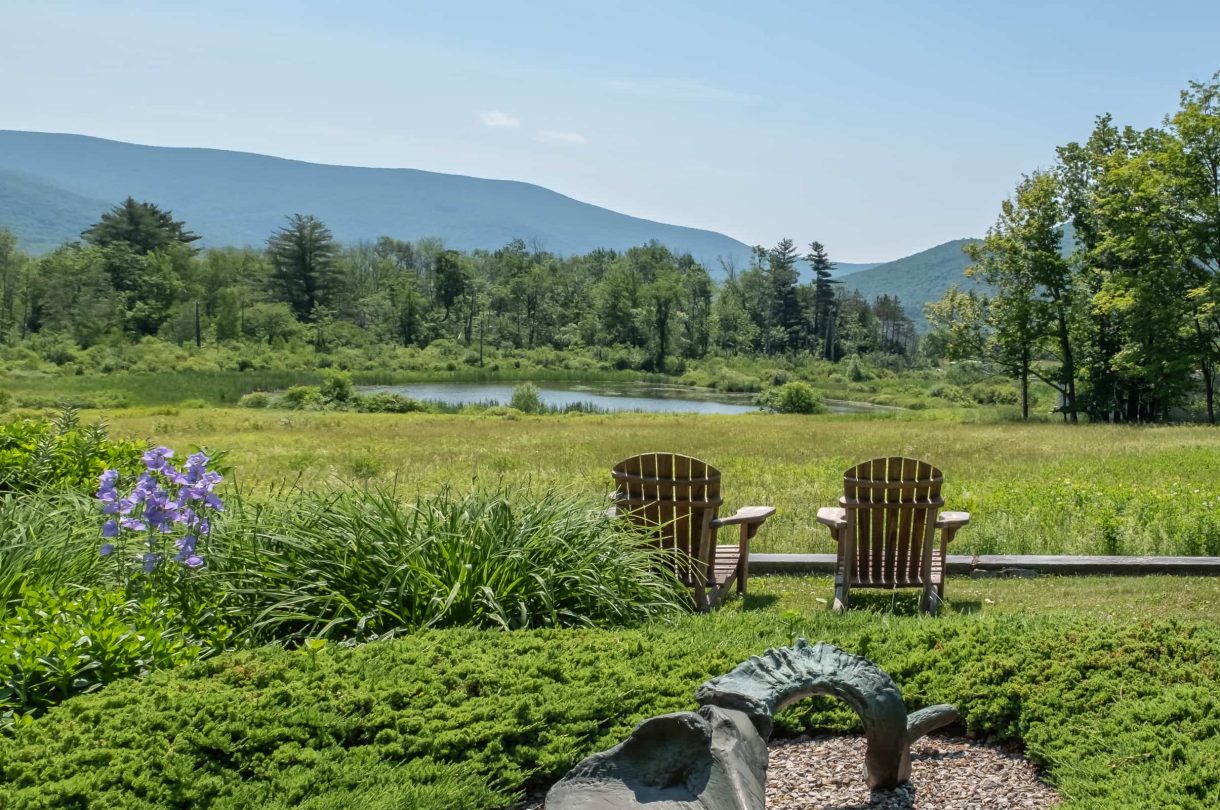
x=361 y=564
x=46 y=540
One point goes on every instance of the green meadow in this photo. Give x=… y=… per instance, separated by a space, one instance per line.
x=1032 y=488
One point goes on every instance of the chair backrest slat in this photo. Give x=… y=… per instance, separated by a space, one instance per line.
x=892 y=504
x=675 y=496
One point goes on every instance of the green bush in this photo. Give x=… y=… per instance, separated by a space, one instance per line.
x=387 y=403
x=336 y=387
x=526 y=399
x=301 y=397
x=793 y=397
x=61 y=454
x=361 y=564
x=1124 y=715
x=255 y=399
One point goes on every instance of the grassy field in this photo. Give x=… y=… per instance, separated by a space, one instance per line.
x=1033 y=489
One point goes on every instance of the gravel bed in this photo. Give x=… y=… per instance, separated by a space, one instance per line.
x=947 y=773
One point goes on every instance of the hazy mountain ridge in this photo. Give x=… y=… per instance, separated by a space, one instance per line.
x=239 y=198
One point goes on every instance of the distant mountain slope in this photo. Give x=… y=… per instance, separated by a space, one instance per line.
x=926 y=276
x=237 y=198
x=917 y=279
x=42 y=215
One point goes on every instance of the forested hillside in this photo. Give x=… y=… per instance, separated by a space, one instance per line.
x=138 y=273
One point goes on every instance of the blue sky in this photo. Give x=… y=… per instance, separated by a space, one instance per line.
x=878 y=128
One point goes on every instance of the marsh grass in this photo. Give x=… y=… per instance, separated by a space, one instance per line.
x=189 y=388
x=1032 y=489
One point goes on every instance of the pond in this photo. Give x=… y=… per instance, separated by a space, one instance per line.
x=608 y=396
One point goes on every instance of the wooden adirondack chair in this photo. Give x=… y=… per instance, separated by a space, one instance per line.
x=678 y=497
x=884 y=527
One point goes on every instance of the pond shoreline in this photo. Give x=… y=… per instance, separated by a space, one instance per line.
x=611 y=396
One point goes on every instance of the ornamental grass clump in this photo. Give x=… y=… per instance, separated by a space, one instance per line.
x=363 y=564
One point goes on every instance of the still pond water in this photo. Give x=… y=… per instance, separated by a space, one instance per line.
x=648 y=397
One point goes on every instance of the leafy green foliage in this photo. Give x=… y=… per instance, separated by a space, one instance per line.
x=1086 y=694
x=386 y=402
x=68 y=641
x=61 y=454
x=303 y=258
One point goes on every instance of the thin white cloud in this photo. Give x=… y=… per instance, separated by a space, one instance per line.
x=559 y=136
x=494 y=118
x=672 y=88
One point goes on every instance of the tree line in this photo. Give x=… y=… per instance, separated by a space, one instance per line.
x=137 y=272
x=1123 y=318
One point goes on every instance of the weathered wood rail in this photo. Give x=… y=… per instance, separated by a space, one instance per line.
x=964 y=564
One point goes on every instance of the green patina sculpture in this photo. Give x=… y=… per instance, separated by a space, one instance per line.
x=716 y=758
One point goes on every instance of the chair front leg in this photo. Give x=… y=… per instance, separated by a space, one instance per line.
x=842 y=571
x=748 y=530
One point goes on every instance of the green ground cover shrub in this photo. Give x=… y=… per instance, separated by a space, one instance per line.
x=1122 y=711
x=60 y=453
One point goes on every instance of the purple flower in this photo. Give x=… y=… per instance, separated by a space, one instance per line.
x=155 y=459
x=164 y=500
x=107 y=549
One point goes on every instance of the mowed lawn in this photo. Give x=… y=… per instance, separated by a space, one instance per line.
x=1033 y=489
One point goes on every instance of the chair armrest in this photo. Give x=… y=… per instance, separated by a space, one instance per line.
x=750 y=515
x=952 y=520
x=833 y=516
